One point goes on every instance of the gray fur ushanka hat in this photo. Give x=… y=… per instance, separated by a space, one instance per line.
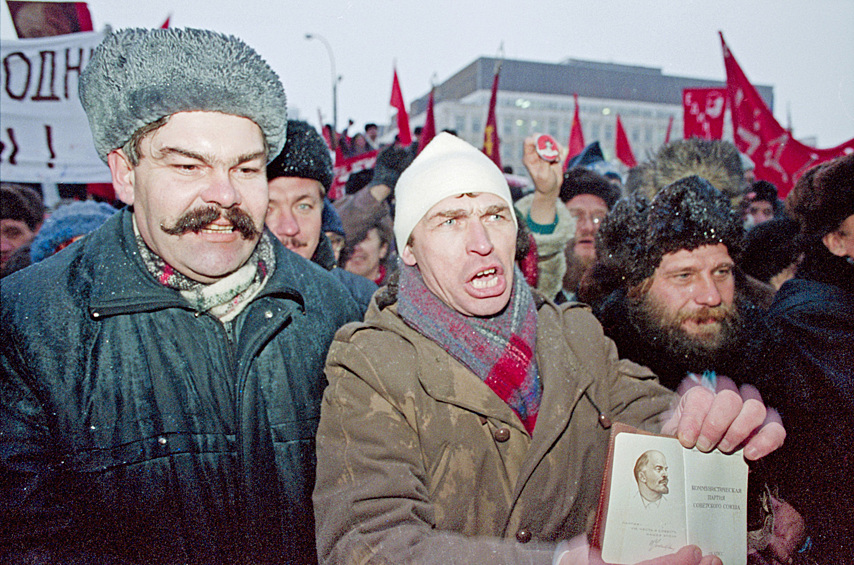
x=137 y=76
x=683 y=215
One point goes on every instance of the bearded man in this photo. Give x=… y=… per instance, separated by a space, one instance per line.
x=678 y=309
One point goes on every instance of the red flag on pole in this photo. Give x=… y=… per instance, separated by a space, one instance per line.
x=623 y=149
x=779 y=158
x=428 y=132
x=703 y=112
x=576 y=135
x=404 y=134
x=491 y=143
x=165 y=25
x=669 y=130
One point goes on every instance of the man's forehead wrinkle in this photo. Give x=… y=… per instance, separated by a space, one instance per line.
x=204 y=157
x=457 y=212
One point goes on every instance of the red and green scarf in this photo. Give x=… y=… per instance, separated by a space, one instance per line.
x=500 y=349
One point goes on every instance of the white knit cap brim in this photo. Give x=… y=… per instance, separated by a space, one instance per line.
x=448 y=166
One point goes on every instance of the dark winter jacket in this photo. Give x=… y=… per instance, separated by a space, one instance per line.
x=812 y=329
x=134 y=429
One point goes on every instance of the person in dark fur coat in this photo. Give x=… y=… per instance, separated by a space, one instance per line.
x=680 y=306
x=811 y=325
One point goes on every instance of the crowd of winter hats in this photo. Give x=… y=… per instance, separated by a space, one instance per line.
x=305 y=155
x=685 y=214
x=137 y=76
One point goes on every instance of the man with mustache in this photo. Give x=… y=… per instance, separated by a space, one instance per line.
x=298 y=179
x=161 y=378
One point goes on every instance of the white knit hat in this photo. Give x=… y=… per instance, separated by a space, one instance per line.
x=448 y=166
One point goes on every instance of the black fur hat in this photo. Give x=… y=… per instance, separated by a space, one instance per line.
x=715 y=160
x=305 y=156
x=683 y=215
x=579 y=180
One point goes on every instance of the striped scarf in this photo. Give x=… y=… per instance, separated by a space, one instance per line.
x=499 y=349
x=224 y=299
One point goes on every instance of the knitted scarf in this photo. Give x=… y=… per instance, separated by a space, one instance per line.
x=499 y=349
x=224 y=299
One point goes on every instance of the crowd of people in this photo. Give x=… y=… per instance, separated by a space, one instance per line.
x=228 y=367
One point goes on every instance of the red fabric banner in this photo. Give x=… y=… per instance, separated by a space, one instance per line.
x=404 y=134
x=491 y=143
x=703 y=112
x=623 y=149
x=165 y=24
x=669 y=130
x=344 y=167
x=779 y=158
x=576 y=135
x=428 y=132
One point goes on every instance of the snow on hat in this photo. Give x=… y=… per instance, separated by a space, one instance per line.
x=448 y=166
x=137 y=76
x=305 y=156
x=66 y=223
x=686 y=214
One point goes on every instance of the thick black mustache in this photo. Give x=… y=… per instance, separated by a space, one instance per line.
x=196 y=220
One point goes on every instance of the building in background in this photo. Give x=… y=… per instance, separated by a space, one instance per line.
x=538 y=97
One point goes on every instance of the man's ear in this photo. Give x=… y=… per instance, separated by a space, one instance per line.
x=122 y=174
x=407 y=256
x=833 y=242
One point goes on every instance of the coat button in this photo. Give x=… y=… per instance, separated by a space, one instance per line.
x=523 y=536
x=501 y=435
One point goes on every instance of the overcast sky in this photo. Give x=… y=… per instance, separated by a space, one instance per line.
x=805 y=50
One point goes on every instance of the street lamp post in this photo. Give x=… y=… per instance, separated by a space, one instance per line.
x=335 y=79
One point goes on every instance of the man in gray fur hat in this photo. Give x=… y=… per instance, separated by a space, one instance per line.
x=161 y=378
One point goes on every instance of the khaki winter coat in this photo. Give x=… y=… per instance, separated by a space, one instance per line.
x=420 y=462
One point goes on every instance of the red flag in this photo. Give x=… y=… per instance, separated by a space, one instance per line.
x=669 y=129
x=428 y=132
x=623 y=149
x=576 y=135
x=404 y=134
x=491 y=143
x=346 y=166
x=779 y=158
x=703 y=112
x=165 y=25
